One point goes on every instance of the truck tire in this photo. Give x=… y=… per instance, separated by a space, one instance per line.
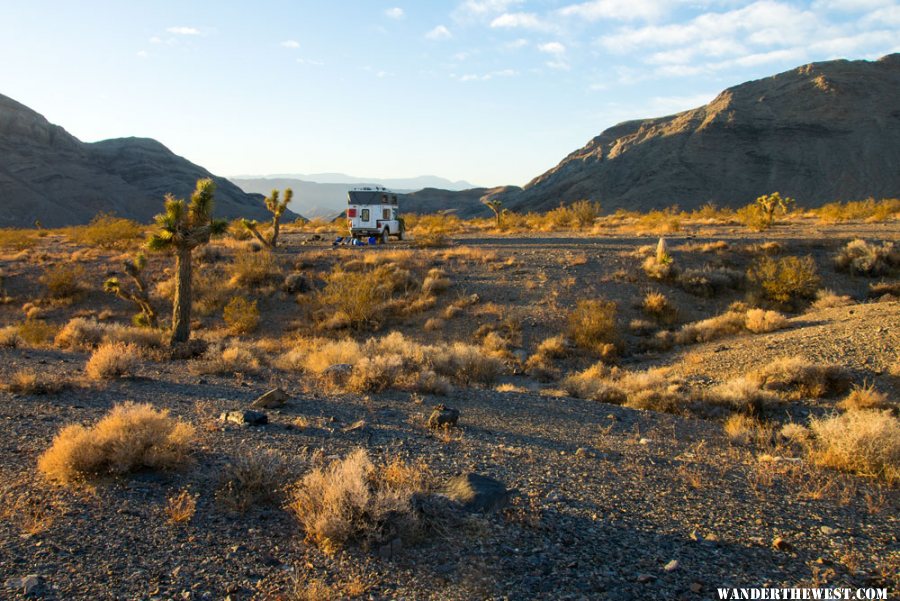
x=385 y=234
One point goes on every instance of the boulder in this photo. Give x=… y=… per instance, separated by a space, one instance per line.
x=245 y=418
x=272 y=399
x=443 y=417
x=477 y=493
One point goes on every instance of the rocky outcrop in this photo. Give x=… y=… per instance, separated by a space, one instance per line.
x=821 y=132
x=47 y=174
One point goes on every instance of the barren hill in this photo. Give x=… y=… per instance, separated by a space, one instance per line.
x=49 y=175
x=821 y=132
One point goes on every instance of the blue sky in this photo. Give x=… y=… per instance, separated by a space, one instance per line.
x=492 y=91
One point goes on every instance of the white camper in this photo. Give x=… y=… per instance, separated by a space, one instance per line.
x=373 y=211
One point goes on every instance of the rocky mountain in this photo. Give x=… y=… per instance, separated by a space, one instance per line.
x=47 y=174
x=463 y=203
x=821 y=132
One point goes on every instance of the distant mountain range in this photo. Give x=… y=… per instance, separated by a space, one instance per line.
x=47 y=174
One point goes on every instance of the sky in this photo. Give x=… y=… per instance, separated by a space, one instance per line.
x=491 y=91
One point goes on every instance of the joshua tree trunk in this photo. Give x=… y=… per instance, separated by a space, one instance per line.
x=181 y=313
x=276 y=227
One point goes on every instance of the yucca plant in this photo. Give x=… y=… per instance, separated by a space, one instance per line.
x=496 y=206
x=771 y=204
x=181 y=229
x=138 y=295
x=277 y=208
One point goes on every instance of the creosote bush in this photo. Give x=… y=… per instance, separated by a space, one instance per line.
x=130 y=437
x=799 y=378
x=784 y=280
x=106 y=231
x=864 y=442
x=253 y=479
x=83 y=334
x=592 y=326
x=63 y=281
x=355 y=501
x=241 y=316
x=113 y=360
x=863 y=258
x=254 y=269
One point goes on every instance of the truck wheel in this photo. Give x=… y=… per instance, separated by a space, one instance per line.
x=385 y=234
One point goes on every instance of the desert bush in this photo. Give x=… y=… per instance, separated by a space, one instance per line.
x=647 y=390
x=744 y=429
x=19 y=240
x=36 y=332
x=80 y=333
x=434 y=324
x=659 y=266
x=827 y=299
x=801 y=378
x=354 y=501
x=759 y=321
x=255 y=269
x=435 y=282
x=713 y=328
x=592 y=326
x=64 y=280
x=431 y=231
x=113 y=360
x=865 y=397
x=28 y=381
x=130 y=437
x=659 y=307
x=106 y=231
x=863 y=442
x=241 y=316
x=743 y=395
x=784 y=280
x=9 y=337
x=234 y=358
x=861 y=257
x=254 y=478
x=865 y=210
x=709 y=282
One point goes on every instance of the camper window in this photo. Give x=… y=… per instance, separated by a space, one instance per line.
x=364 y=215
x=386 y=214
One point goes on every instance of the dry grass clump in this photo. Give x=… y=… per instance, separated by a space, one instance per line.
x=12 y=239
x=541 y=365
x=705 y=247
x=254 y=478
x=709 y=282
x=865 y=397
x=241 y=316
x=9 y=337
x=435 y=282
x=827 y=299
x=81 y=333
x=743 y=429
x=863 y=442
x=863 y=258
x=759 y=321
x=234 y=358
x=785 y=280
x=113 y=360
x=742 y=394
x=659 y=307
x=130 y=437
x=800 y=378
x=354 y=501
x=364 y=297
x=106 y=231
x=36 y=332
x=434 y=324
x=255 y=269
x=28 y=381
x=869 y=210
x=592 y=326
x=646 y=390
x=63 y=281
x=432 y=231
x=180 y=508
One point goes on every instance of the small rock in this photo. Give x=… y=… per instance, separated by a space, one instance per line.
x=274 y=398
x=29 y=585
x=358 y=425
x=644 y=441
x=443 y=417
x=696 y=587
x=582 y=452
x=671 y=566
x=642 y=578
x=828 y=530
x=477 y=493
x=781 y=545
x=245 y=418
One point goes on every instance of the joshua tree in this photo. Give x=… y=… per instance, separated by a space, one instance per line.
x=181 y=229
x=277 y=208
x=496 y=206
x=771 y=204
x=139 y=296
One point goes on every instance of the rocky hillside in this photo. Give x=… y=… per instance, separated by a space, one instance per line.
x=49 y=175
x=463 y=203
x=821 y=132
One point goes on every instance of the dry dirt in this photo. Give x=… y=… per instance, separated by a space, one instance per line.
x=610 y=502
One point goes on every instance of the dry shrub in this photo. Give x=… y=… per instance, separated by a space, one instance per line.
x=658 y=306
x=785 y=280
x=28 y=381
x=741 y=394
x=659 y=269
x=180 y=508
x=130 y=437
x=354 y=501
x=741 y=429
x=863 y=258
x=255 y=269
x=794 y=433
x=594 y=383
x=83 y=334
x=36 y=333
x=827 y=299
x=63 y=281
x=434 y=324
x=435 y=282
x=646 y=390
x=254 y=478
x=709 y=282
x=431 y=231
x=9 y=337
x=241 y=316
x=865 y=397
x=361 y=297
x=20 y=240
x=760 y=320
x=113 y=360
x=106 y=231
x=800 y=378
x=592 y=325
x=863 y=442
x=235 y=358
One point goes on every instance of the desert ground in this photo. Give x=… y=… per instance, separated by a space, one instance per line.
x=665 y=421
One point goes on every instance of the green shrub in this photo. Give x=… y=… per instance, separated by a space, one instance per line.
x=251 y=269
x=241 y=316
x=784 y=280
x=106 y=231
x=592 y=325
x=63 y=281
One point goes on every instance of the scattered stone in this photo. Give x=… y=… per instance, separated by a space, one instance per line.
x=274 y=398
x=696 y=587
x=245 y=418
x=671 y=566
x=828 y=530
x=643 y=578
x=29 y=585
x=357 y=425
x=443 y=417
x=477 y=493
x=781 y=545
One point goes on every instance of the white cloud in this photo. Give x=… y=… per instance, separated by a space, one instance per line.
x=850 y=5
x=184 y=30
x=625 y=10
x=290 y=44
x=486 y=76
x=523 y=20
x=552 y=48
x=156 y=40
x=142 y=54
x=394 y=13
x=309 y=61
x=516 y=44
x=559 y=65
x=482 y=9
x=888 y=16
x=439 y=33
